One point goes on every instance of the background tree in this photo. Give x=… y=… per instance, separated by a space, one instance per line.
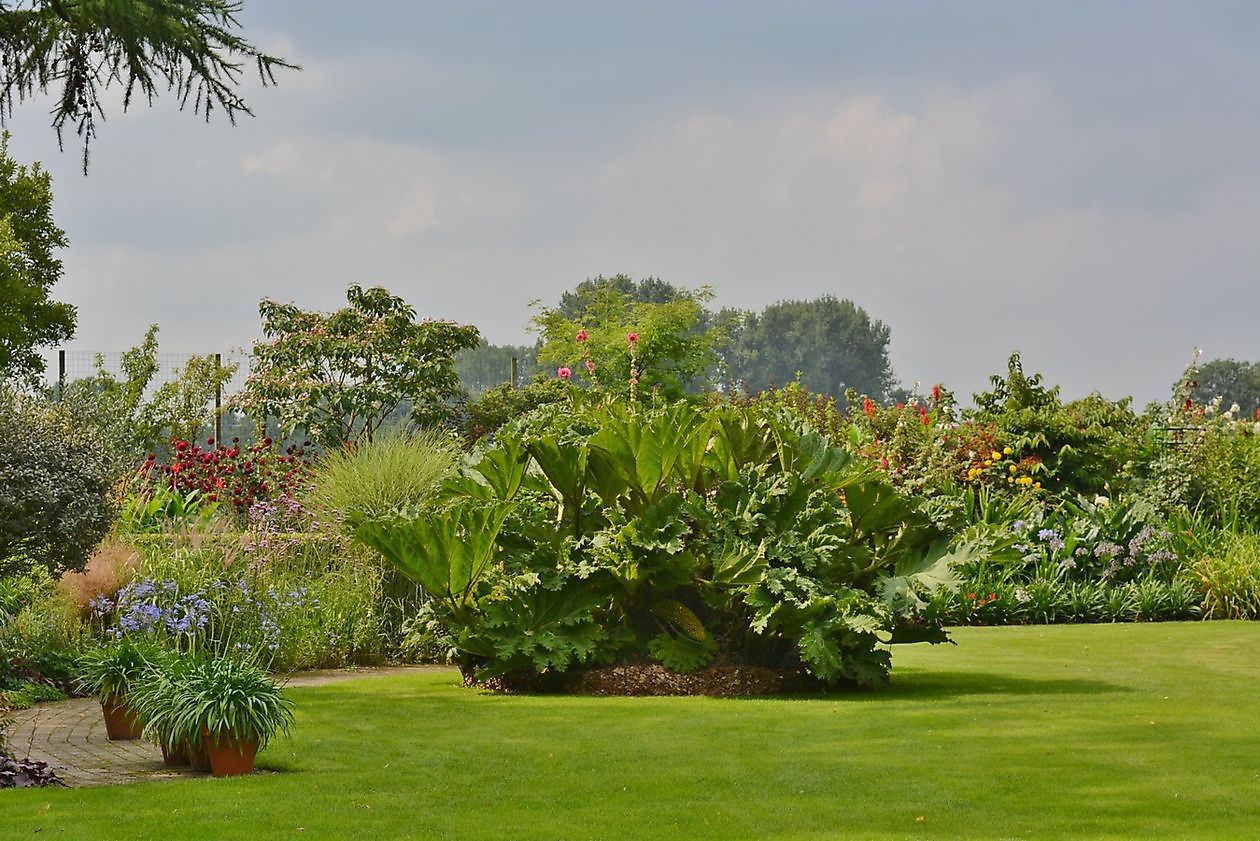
x=81 y=47
x=28 y=269
x=1230 y=380
x=833 y=343
x=338 y=376
x=670 y=349
x=489 y=366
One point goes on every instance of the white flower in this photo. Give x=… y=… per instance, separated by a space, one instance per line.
x=1021 y=595
x=1101 y=501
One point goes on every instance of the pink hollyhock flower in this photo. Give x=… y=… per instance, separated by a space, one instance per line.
x=632 y=338
x=564 y=373
x=581 y=335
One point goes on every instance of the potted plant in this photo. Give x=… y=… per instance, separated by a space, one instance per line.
x=236 y=707
x=157 y=700
x=109 y=673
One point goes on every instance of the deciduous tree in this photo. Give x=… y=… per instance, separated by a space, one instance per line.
x=29 y=267
x=338 y=376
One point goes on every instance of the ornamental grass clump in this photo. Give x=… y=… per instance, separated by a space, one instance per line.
x=377 y=478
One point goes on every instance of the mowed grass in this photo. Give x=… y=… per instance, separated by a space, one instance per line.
x=1119 y=731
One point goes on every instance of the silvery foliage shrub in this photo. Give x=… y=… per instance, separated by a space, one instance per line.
x=55 y=484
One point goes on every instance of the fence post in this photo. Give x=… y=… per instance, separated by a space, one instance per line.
x=61 y=374
x=218 y=400
x=513 y=372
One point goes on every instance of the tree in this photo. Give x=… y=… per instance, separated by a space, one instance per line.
x=1230 y=380
x=84 y=46
x=28 y=269
x=489 y=366
x=833 y=344
x=603 y=335
x=338 y=376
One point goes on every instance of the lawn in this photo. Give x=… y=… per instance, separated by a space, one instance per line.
x=1112 y=731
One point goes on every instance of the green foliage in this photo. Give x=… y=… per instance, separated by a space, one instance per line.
x=111 y=670
x=590 y=335
x=1229 y=575
x=679 y=534
x=339 y=376
x=377 y=478
x=55 y=484
x=488 y=367
x=160 y=509
x=498 y=406
x=1228 y=382
x=28 y=266
x=224 y=697
x=188 y=46
x=1078 y=448
x=134 y=419
x=828 y=344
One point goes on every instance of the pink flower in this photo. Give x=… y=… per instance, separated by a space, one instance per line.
x=581 y=335
x=590 y=365
x=632 y=338
x=564 y=373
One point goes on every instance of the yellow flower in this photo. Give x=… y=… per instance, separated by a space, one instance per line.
x=1012 y=468
x=996 y=455
x=1006 y=450
x=1037 y=486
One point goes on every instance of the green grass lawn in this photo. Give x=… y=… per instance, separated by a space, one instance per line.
x=1114 y=731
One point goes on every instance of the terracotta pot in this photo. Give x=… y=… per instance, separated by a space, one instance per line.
x=175 y=756
x=229 y=756
x=197 y=756
x=120 y=721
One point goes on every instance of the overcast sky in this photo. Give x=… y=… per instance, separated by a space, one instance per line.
x=1078 y=181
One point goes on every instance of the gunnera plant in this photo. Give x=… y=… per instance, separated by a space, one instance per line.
x=376 y=479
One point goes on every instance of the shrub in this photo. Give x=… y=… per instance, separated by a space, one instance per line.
x=235 y=474
x=55 y=485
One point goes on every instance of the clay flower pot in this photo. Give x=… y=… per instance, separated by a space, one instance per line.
x=120 y=721
x=229 y=756
x=175 y=756
x=197 y=756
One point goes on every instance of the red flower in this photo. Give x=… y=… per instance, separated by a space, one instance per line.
x=564 y=373
x=971 y=596
x=936 y=393
x=581 y=335
x=900 y=406
x=180 y=446
x=868 y=406
x=632 y=338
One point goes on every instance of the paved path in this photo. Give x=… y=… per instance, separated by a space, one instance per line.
x=70 y=736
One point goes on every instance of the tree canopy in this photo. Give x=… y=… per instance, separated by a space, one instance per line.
x=833 y=344
x=606 y=334
x=29 y=267
x=338 y=376
x=1232 y=381
x=79 y=48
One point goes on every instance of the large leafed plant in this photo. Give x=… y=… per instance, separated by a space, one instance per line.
x=679 y=535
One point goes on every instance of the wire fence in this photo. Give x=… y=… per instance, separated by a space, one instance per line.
x=65 y=367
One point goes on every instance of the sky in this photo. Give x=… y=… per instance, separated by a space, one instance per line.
x=1076 y=181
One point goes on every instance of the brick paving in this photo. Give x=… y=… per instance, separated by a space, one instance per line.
x=70 y=737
